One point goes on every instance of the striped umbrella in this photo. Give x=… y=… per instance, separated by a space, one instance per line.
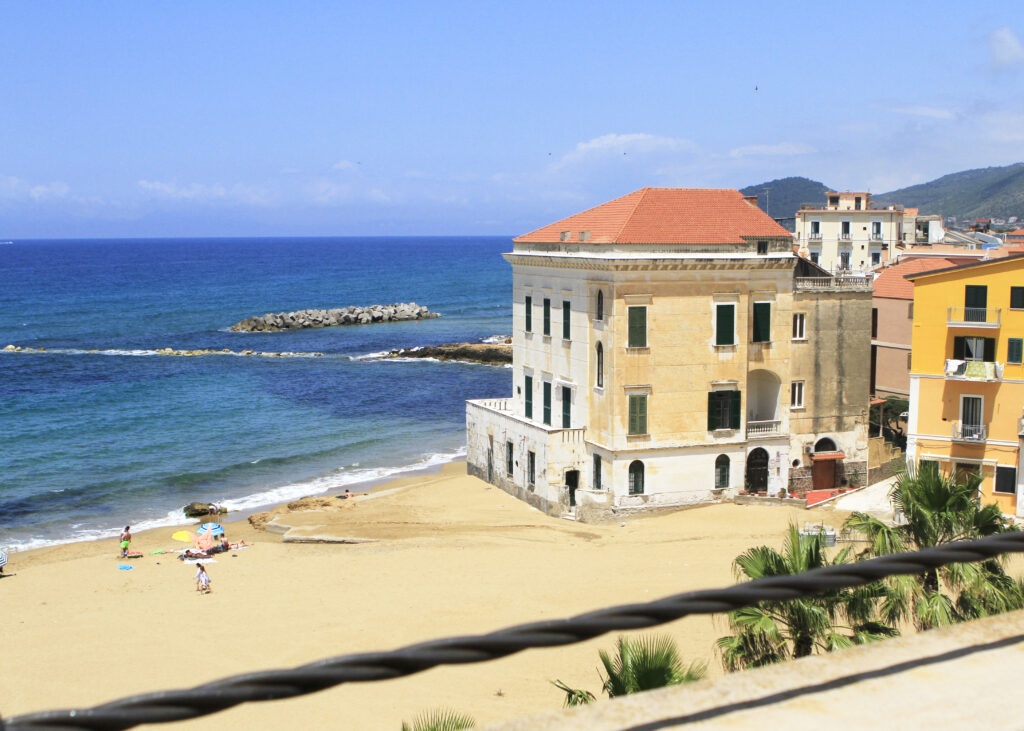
x=3 y=558
x=214 y=529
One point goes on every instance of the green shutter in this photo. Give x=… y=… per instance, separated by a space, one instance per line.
x=1015 y=350
x=566 y=407
x=528 y=387
x=734 y=409
x=529 y=314
x=547 y=403
x=547 y=317
x=565 y=320
x=990 y=350
x=712 y=410
x=638 y=327
x=959 y=348
x=1017 y=298
x=762 y=322
x=638 y=414
x=725 y=326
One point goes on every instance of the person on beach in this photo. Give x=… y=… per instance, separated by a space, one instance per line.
x=203 y=580
x=126 y=540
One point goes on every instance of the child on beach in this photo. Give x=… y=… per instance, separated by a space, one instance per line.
x=126 y=540
x=203 y=580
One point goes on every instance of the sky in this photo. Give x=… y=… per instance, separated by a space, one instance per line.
x=121 y=118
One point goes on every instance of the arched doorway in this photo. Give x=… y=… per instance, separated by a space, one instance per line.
x=823 y=464
x=636 y=478
x=757 y=470
x=825 y=445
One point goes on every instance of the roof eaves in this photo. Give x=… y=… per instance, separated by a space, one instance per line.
x=1000 y=260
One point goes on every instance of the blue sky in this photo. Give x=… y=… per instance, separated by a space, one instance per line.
x=126 y=118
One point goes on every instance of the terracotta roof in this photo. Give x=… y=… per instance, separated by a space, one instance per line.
x=987 y=262
x=1018 y=232
x=665 y=216
x=890 y=284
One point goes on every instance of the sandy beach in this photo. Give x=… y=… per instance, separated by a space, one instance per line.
x=451 y=555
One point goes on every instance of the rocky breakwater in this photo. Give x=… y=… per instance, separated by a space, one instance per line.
x=498 y=354
x=302 y=319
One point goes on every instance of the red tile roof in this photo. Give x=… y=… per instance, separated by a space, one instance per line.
x=1019 y=233
x=665 y=216
x=890 y=284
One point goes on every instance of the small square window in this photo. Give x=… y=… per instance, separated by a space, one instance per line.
x=762 y=247
x=1017 y=298
x=1006 y=480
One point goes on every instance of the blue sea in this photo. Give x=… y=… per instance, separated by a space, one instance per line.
x=90 y=442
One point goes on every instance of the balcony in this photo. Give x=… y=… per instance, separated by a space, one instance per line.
x=972 y=370
x=969 y=433
x=762 y=429
x=844 y=237
x=876 y=237
x=844 y=283
x=812 y=236
x=973 y=317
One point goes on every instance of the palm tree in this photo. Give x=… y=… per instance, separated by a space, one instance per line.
x=644 y=663
x=440 y=720
x=934 y=509
x=770 y=632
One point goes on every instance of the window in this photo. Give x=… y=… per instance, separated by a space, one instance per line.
x=762 y=322
x=876 y=258
x=566 y=407
x=547 y=403
x=600 y=305
x=509 y=458
x=845 y=232
x=971 y=411
x=1014 y=350
x=833 y=201
x=974 y=348
x=1017 y=298
x=547 y=317
x=844 y=260
x=597 y=471
x=799 y=320
x=814 y=257
x=600 y=365
x=723 y=410
x=815 y=229
x=762 y=247
x=796 y=395
x=856 y=203
x=966 y=471
x=637 y=327
x=725 y=324
x=528 y=391
x=1006 y=479
x=529 y=314
x=975 y=302
x=637 y=414
x=722 y=471
x=636 y=478
x=876 y=230
x=531 y=467
x=566 y=331
x=874 y=322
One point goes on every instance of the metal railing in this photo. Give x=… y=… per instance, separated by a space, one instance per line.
x=969 y=432
x=760 y=429
x=973 y=317
x=181 y=705
x=831 y=284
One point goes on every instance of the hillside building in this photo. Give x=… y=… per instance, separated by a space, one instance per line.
x=967 y=375
x=670 y=349
x=846 y=233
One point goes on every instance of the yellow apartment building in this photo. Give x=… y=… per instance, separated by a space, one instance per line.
x=669 y=349
x=967 y=375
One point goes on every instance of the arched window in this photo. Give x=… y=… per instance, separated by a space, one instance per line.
x=600 y=365
x=825 y=445
x=600 y=305
x=636 y=478
x=722 y=471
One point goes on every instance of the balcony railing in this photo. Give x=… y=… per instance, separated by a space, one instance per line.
x=972 y=370
x=969 y=432
x=814 y=236
x=876 y=236
x=844 y=237
x=832 y=284
x=973 y=317
x=762 y=429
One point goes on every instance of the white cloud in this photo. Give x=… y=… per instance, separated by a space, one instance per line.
x=922 y=111
x=1006 y=48
x=49 y=190
x=621 y=145
x=202 y=192
x=344 y=165
x=782 y=148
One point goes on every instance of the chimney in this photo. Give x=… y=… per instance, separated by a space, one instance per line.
x=751 y=199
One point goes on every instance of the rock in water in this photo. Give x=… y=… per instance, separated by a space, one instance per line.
x=331 y=318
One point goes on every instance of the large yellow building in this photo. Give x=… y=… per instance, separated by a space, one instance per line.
x=967 y=376
x=668 y=349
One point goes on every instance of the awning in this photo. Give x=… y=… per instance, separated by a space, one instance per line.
x=821 y=456
x=876 y=401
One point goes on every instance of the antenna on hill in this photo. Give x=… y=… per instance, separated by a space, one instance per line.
x=767 y=209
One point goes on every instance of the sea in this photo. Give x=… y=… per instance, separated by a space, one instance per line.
x=101 y=431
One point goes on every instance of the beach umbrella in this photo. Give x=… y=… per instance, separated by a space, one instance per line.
x=214 y=529
x=3 y=558
x=183 y=535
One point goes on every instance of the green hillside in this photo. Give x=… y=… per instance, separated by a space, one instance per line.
x=982 y=193
x=785 y=195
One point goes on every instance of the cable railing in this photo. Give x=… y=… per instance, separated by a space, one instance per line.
x=181 y=705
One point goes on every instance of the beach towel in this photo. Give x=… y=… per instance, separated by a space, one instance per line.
x=136 y=554
x=125 y=566
x=200 y=560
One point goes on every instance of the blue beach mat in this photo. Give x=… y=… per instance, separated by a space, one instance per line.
x=125 y=566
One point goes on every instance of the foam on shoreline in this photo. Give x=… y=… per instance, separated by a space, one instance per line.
x=336 y=481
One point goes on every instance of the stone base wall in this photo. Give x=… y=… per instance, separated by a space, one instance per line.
x=847 y=473
x=526 y=495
